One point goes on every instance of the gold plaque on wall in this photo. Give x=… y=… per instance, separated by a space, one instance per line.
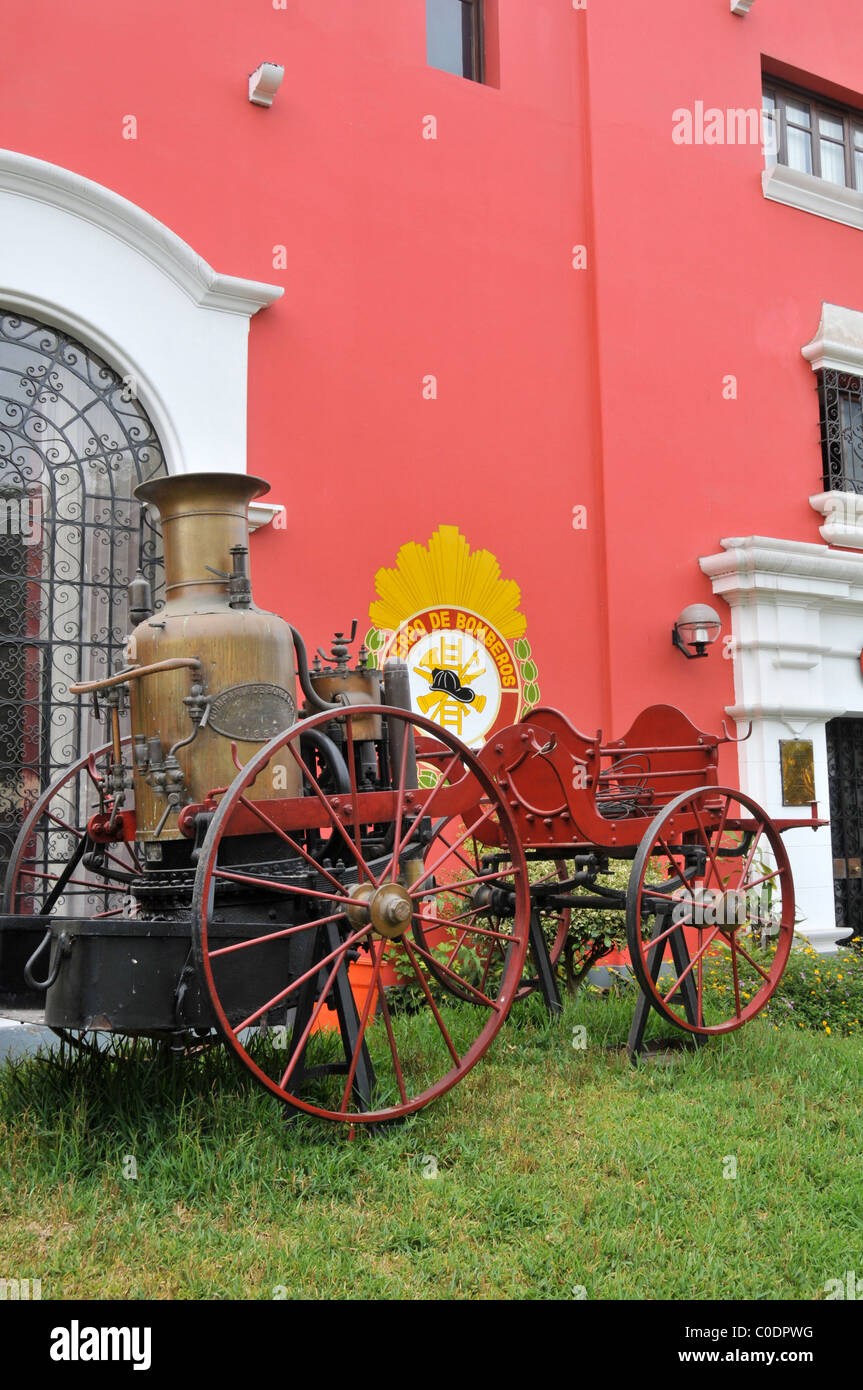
x=798 y=771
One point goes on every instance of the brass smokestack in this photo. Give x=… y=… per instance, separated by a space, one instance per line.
x=203 y=516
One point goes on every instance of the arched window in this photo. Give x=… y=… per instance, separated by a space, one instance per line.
x=74 y=443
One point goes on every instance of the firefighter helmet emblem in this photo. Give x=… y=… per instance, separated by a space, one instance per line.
x=446 y=610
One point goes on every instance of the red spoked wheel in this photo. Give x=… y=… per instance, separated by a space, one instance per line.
x=482 y=959
x=710 y=910
x=340 y=877
x=55 y=868
x=55 y=865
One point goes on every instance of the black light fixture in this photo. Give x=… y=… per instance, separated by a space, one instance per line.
x=695 y=630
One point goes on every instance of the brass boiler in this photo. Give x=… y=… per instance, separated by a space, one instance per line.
x=244 y=690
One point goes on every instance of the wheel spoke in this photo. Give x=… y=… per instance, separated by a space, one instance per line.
x=751 y=855
x=273 y=935
x=352 y=775
x=392 y=866
x=70 y=829
x=313 y=1018
x=278 y=887
x=431 y=1003
x=700 y=1014
x=461 y=883
x=388 y=1025
x=481 y=931
x=686 y=970
x=766 y=879
x=457 y=947
x=283 y=835
x=754 y=963
x=301 y=979
x=706 y=837
x=434 y=867
x=337 y=824
x=462 y=983
x=457 y=852
x=736 y=977
x=426 y=809
x=378 y=957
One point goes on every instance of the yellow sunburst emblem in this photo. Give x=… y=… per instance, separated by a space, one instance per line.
x=446 y=611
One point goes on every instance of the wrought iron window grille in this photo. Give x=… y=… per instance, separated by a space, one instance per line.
x=74 y=443
x=841 y=401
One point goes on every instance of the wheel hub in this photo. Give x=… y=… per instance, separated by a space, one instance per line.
x=388 y=908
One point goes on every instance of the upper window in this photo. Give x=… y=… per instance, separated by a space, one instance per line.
x=815 y=136
x=454 y=37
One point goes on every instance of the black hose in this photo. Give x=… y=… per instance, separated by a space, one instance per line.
x=336 y=764
x=308 y=690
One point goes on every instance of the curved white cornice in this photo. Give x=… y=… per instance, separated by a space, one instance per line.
x=81 y=258
x=781 y=566
x=71 y=192
x=838 y=341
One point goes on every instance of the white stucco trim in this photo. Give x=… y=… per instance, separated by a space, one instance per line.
x=83 y=258
x=843 y=518
x=804 y=191
x=262 y=513
x=797 y=624
x=838 y=342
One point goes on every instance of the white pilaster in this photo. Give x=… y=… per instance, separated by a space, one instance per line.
x=797 y=622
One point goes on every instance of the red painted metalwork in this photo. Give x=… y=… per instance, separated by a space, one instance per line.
x=106 y=828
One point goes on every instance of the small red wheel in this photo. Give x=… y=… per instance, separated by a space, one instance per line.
x=346 y=874
x=711 y=888
x=48 y=873
x=54 y=836
x=483 y=958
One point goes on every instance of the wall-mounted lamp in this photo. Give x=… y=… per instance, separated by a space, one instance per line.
x=695 y=630
x=264 y=82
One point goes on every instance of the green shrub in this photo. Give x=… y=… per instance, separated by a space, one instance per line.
x=822 y=993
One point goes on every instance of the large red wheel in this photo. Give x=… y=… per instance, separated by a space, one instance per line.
x=349 y=879
x=710 y=910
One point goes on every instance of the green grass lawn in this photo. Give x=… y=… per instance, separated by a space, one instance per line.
x=558 y=1168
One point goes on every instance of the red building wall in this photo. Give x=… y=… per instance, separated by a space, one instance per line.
x=405 y=257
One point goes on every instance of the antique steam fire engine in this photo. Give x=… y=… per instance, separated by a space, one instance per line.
x=343 y=892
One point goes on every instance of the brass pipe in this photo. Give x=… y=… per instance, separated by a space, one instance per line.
x=116 y=737
x=174 y=663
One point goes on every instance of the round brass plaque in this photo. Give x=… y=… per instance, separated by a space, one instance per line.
x=252 y=713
